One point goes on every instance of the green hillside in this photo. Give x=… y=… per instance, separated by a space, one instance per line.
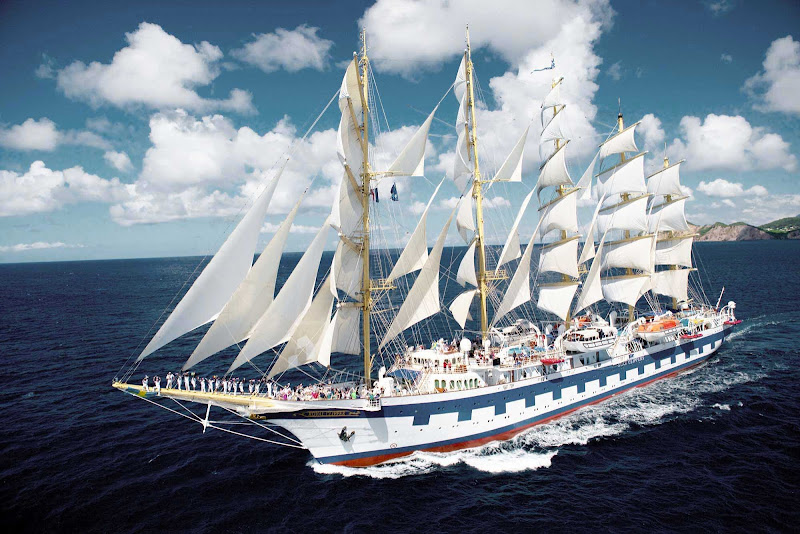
x=782 y=227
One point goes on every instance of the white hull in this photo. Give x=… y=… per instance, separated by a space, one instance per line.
x=462 y=419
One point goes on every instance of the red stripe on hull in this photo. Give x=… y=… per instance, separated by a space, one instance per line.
x=375 y=460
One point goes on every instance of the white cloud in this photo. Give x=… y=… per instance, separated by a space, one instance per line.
x=777 y=87
x=437 y=28
x=728 y=202
x=38 y=245
x=725 y=189
x=31 y=135
x=291 y=50
x=271 y=228
x=726 y=58
x=652 y=132
x=45 y=135
x=615 y=71
x=156 y=70
x=41 y=189
x=770 y=208
x=118 y=160
x=724 y=142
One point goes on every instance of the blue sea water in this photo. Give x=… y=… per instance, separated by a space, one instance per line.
x=714 y=449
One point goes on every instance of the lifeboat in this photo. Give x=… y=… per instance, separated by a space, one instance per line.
x=658 y=329
x=551 y=361
x=691 y=336
x=733 y=322
x=590 y=339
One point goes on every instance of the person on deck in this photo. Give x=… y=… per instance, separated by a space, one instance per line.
x=144 y=383
x=157 y=382
x=186 y=381
x=169 y=380
x=194 y=382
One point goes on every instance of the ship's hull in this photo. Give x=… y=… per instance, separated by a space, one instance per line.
x=463 y=419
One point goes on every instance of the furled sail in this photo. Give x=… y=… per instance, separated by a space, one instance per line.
x=311 y=339
x=220 y=278
x=280 y=319
x=620 y=143
x=460 y=306
x=416 y=250
x=511 y=247
x=556 y=298
x=466 y=269
x=411 y=161
x=250 y=300
x=511 y=169
x=422 y=300
x=347 y=209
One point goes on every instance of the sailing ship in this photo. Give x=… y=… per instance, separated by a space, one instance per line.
x=622 y=313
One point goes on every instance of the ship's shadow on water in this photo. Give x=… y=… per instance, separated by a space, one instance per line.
x=714 y=448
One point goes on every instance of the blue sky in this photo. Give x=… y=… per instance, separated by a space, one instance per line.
x=144 y=130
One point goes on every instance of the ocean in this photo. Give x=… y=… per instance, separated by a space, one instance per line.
x=713 y=449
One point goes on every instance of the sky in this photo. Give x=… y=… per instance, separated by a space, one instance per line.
x=146 y=129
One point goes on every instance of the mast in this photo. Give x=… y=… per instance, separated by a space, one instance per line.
x=668 y=198
x=477 y=194
x=560 y=190
x=366 y=175
x=624 y=197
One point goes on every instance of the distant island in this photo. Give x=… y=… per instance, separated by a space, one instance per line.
x=786 y=228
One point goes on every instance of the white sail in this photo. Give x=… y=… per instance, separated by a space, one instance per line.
x=677 y=251
x=422 y=300
x=465 y=222
x=347 y=209
x=553 y=98
x=554 y=170
x=511 y=247
x=668 y=216
x=585 y=183
x=460 y=306
x=672 y=283
x=347 y=321
x=307 y=342
x=633 y=253
x=411 y=161
x=622 y=142
x=555 y=128
x=519 y=288
x=347 y=269
x=250 y=300
x=592 y=290
x=625 y=289
x=666 y=181
x=628 y=215
x=220 y=278
x=556 y=298
x=416 y=250
x=460 y=83
x=626 y=177
x=560 y=257
x=280 y=319
x=466 y=269
x=587 y=253
x=349 y=89
x=462 y=168
x=560 y=214
x=511 y=169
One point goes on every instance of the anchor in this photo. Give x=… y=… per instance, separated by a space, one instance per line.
x=344 y=436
